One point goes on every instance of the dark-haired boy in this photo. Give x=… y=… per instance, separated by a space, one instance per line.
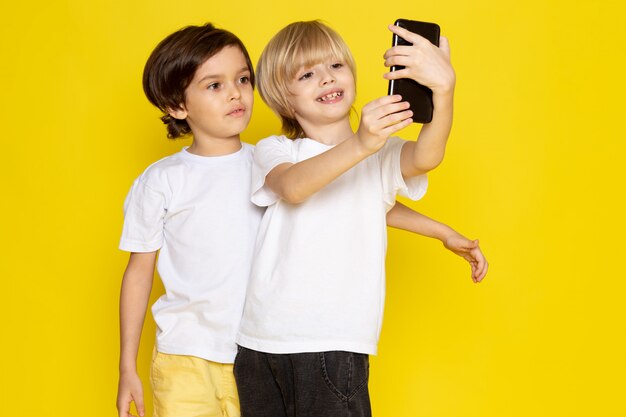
x=194 y=208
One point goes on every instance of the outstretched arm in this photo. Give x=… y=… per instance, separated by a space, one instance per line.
x=134 y=298
x=402 y=217
x=430 y=66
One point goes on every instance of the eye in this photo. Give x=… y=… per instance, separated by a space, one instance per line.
x=244 y=80
x=305 y=76
x=337 y=65
x=213 y=86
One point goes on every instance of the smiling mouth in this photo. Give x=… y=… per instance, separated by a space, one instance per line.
x=330 y=97
x=237 y=112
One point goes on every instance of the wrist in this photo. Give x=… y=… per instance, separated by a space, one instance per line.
x=127 y=367
x=445 y=234
x=446 y=84
x=444 y=91
x=360 y=149
x=128 y=372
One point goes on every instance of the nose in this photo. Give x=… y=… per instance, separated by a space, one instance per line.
x=234 y=92
x=327 y=78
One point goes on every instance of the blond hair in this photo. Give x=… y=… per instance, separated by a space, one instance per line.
x=300 y=44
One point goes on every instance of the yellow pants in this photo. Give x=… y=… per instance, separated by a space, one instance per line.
x=186 y=386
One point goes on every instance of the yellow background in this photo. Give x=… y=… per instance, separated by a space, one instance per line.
x=533 y=168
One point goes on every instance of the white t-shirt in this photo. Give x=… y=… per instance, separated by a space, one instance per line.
x=197 y=211
x=318 y=276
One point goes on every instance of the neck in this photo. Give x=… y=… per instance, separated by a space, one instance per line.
x=214 y=147
x=330 y=133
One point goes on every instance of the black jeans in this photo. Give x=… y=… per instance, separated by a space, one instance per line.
x=324 y=384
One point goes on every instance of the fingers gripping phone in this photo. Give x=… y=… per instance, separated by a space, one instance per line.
x=419 y=97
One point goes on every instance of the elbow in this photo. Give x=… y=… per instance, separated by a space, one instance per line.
x=293 y=198
x=426 y=166
x=433 y=165
x=286 y=186
x=418 y=170
x=292 y=195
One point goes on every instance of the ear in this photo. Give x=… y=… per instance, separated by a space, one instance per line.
x=179 y=113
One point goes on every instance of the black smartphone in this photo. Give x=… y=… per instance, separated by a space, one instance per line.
x=419 y=97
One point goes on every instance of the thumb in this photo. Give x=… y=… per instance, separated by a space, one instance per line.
x=444 y=45
x=138 y=398
x=473 y=244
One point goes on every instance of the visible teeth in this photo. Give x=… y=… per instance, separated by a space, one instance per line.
x=330 y=96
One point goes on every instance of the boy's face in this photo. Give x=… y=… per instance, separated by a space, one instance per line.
x=218 y=101
x=322 y=93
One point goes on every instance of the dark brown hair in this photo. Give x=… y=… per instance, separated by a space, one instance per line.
x=173 y=63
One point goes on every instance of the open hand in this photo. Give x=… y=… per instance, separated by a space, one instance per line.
x=424 y=62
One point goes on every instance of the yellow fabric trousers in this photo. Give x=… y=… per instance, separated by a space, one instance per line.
x=186 y=386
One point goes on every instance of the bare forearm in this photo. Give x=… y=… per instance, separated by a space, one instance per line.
x=134 y=298
x=402 y=217
x=429 y=150
x=431 y=144
x=299 y=181
x=132 y=314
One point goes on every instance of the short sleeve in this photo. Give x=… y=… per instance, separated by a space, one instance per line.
x=144 y=214
x=393 y=181
x=268 y=154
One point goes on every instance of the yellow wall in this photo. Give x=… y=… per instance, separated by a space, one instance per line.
x=533 y=168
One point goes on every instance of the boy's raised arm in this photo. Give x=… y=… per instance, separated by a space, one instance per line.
x=402 y=217
x=381 y=118
x=430 y=66
x=134 y=298
x=294 y=183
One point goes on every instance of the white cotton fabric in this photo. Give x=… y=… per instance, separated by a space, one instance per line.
x=197 y=212
x=318 y=277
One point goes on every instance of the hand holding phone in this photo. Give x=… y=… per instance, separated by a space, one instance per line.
x=419 y=96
